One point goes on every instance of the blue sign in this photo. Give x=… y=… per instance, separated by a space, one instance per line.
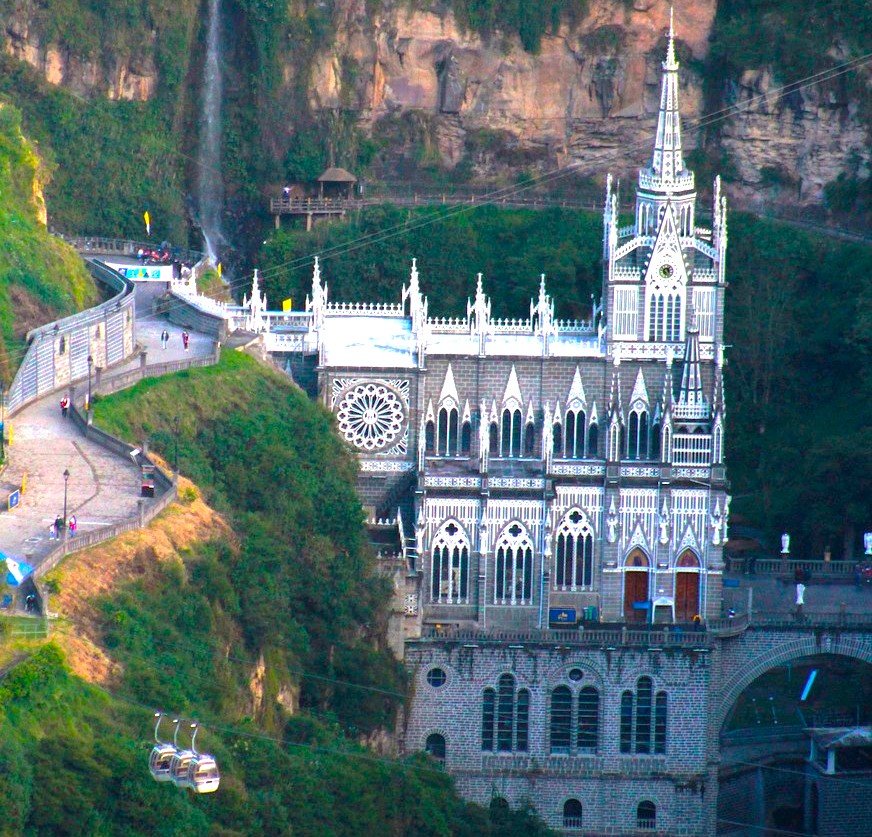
x=562 y=616
x=731 y=582
x=14 y=499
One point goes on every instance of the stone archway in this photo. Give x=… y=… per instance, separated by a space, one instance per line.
x=636 y=573
x=740 y=669
x=686 y=586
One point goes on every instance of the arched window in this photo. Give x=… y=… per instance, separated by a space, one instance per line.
x=643 y=715
x=572 y=814
x=637 y=436
x=488 y=714
x=588 y=720
x=558 y=440
x=646 y=816
x=576 y=422
x=660 y=709
x=512 y=430
x=665 y=451
x=494 y=439
x=505 y=717
x=573 y=555
x=466 y=439
x=435 y=746
x=718 y=446
x=447 y=432
x=655 y=440
x=522 y=721
x=530 y=440
x=593 y=440
x=505 y=712
x=514 y=567
x=449 y=578
x=430 y=439
x=627 y=722
x=561 y=719
x=615 y=441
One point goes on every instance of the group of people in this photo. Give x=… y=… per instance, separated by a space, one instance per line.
x=159 y=256
x=165 y=339
x=863 y=574
x=58 y=526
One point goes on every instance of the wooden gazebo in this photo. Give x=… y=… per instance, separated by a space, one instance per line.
x=338 y=183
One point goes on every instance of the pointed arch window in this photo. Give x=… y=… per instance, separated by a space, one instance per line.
x=513 y=584
x=593 y=440
x=637 y=433
x=718 y=446
x=573 y=554
x=512 y=433
x=615 y=440
x=494 y=437
x=447 y=431
x=557 y=440
x=466 y=438
x=430 y=438
x=449 y=578
x=530 y=439
x=588 y=720
x=576 y=425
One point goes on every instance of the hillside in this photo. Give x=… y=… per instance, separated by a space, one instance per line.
x=797 y=321
x=40 y=277
x=269 y=634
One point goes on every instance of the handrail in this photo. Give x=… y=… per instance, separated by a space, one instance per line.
x=124 y=246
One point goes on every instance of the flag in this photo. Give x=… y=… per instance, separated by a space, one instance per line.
x=147 y=218
x=218 y=270
x=287 y=304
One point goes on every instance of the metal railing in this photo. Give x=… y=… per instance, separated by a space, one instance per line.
x=96 y=244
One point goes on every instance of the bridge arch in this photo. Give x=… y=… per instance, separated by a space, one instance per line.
x=745 y=658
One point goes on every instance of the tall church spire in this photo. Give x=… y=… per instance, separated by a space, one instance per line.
x=691 y=399
x=666 y=172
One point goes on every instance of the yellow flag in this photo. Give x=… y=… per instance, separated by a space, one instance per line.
x=287 y=304
x=218 y=269
x=147 y=218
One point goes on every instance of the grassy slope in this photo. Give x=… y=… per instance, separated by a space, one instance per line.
x=798 y=313
x=40 y=277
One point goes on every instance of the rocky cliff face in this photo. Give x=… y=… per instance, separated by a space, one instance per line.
x=132 y=78
x=589 y=98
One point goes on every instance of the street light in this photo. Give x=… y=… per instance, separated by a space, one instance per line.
x=66 y=481
x=90 y=364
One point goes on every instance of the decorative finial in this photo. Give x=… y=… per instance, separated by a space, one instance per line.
x=671 y=63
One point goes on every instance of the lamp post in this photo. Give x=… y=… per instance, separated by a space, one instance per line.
x=90 y=364
x=66 y=481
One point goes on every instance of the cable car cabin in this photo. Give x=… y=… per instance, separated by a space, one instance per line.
x=203 y=776
x=179 y=768
x=147 y=481
x=160 y=761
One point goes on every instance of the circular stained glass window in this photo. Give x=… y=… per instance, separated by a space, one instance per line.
x=436 y=677
x=371 y=416
x=576 y=674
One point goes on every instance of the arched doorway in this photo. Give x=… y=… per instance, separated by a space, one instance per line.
x=686 y=587
x=635 y=586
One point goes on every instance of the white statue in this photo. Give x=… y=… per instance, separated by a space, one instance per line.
x=867 y=542
x=612 y=524
x=482 y=539
x=785 y=544
x=663 y=523
x=717 y=523
x=727 y=502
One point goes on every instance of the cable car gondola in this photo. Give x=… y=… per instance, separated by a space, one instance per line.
x=180 y=760
x=203 y=776
x=159 y=763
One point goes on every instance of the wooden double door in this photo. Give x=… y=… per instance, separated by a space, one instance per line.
x=686 y=596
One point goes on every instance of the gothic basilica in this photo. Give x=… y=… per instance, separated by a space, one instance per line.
x=551 y=478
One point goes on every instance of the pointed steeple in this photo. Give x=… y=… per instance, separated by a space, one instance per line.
x=449 y=389
x=512 y=395
x=640 y=392
x=576 y=398
x=417 y=303
x=692 y=403
x=666 y=172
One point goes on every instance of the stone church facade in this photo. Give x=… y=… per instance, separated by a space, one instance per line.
x=551 y=477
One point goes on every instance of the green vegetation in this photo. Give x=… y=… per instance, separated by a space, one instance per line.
x=510 y=247
x=298 y=593
x=799 y=315
x=41 y=278
x=73 y=761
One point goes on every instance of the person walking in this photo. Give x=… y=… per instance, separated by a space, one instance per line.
x=186 y=338
x=65 y=406
x=73 y=525
x=164 y=338
x=59 y=525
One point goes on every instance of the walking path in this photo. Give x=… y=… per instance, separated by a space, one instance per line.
x=103 y=488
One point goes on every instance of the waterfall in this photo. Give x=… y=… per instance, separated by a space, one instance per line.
x=210 y=188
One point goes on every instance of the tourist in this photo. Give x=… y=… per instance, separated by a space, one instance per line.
x=59 y=525
x=185 y=339
x=65 y=406
x=73 y=525
x=53 y=532
x=164 y=338
x=286 y=193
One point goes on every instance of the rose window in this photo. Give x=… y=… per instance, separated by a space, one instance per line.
x=371 y=416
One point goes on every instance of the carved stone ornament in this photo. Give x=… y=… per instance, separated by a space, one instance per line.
x=612 y=524
x=371 y=416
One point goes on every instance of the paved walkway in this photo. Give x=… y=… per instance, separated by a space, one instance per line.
x=773 y=596
x=103 y=488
